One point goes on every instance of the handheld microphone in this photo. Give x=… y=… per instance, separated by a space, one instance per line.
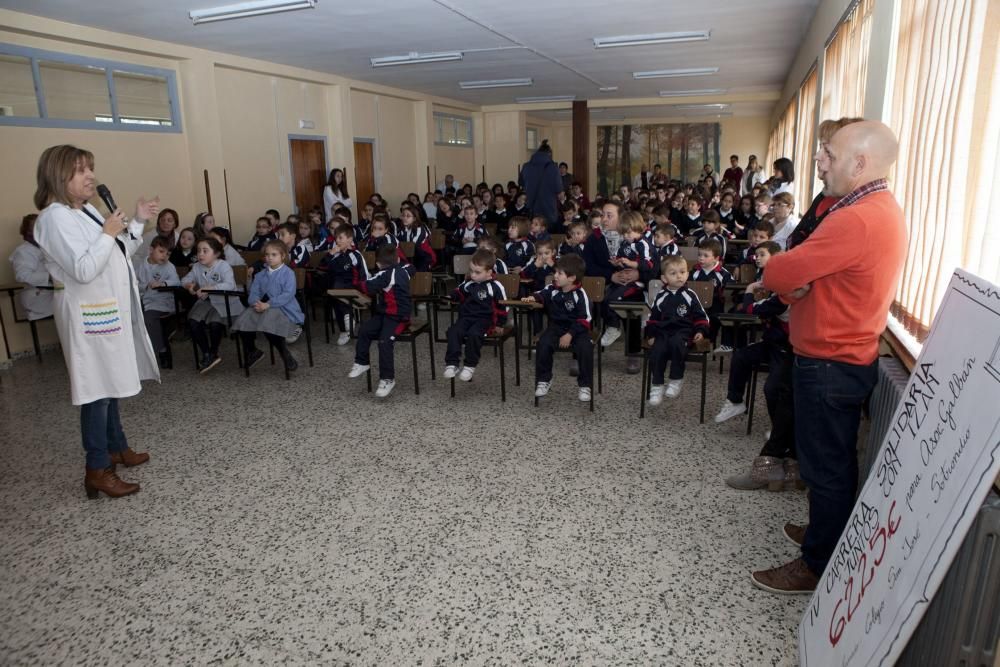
x=105 y=195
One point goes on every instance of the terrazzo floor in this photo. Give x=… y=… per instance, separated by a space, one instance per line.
x=306 y=523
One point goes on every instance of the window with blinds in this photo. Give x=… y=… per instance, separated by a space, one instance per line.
x=945 y=92
x=805 y=166
x=845 y=64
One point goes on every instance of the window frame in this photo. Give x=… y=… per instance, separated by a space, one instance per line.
x=109 y=67
x=439 y=116
x=528 y=131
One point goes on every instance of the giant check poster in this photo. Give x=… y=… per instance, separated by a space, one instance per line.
x=934 y=469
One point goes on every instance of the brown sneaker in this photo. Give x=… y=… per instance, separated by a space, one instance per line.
x=790 y=579
x=107 y=481
x=128 y=458
x=795 y=533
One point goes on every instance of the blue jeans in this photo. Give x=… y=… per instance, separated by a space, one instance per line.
x=829 y=396
x=102 y=431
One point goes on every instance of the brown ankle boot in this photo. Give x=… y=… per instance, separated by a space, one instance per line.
x=128 y=458
x=107 y=481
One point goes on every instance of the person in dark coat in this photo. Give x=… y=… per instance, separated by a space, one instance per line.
x=541 y=181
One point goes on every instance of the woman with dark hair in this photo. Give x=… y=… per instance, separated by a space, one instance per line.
x=97 y=306
x=335 y=192
x=784 y=176
x=204 y=222
x=167 y=224
x=541 y=182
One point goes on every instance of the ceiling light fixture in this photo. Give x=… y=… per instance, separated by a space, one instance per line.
x=245 y=9
x=414 y=58
x=669 y=73
x=689 y=107
x=545 y=98
x=692 y=93
x=656 y=38
x=495 y=83
x=607 y=89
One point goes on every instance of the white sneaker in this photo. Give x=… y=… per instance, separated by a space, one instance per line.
x=674 y=388
x=384 y=388
x=656 y=394
x=730 y=410
x=294 y=336
x=357 y=370
x=723 y=349
x=344 y=338
x=542 y=388
x=450 y=372
x=610 y=336
x=466 y=373
x=584 y=394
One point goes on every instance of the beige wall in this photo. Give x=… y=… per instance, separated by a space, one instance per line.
x=391 y=122
x=456 y=160
x=503 y=144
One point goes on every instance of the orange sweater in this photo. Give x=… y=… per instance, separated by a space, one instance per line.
x=853 y=262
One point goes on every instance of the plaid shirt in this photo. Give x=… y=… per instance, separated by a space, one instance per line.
x=863 y=191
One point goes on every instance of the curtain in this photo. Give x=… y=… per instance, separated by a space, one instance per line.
x=845 y=64
x=806 y=123
x=944 y=85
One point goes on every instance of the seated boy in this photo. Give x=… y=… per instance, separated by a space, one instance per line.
x=344 y=267
x=576 y=237
x=633 y=253
x=539 y=229
x=466 y=237
x=570 y=323
x=760 y=234
x=664 y=242
x=518 y=249
x=390 y=288
x=676 y=319
x=479 y=313
x=490 y=244
x=710 y=268
x=150 y=273
x=534 y=275
x=711 y=229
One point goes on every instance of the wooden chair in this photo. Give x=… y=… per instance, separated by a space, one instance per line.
x=251 y=257
x=420 y=290
x=705 y=289
x=497 y=339
x=460 y=267
x=369 y=256
x=315 y=258
x=690 y=253
x=558 y=240
x=302 y=297
x=408 y=248
x=491 y=228
x=594 y=287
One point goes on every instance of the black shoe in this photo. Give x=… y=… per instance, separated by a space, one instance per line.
x=633 y=366
x=205 y=360
x=290 y=363
x=166 y=360
x=210 y=362
x=253 y=357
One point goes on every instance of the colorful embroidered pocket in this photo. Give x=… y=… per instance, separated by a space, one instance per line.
x=101 y=319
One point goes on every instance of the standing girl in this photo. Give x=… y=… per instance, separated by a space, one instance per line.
x=274 y=311
x=335 y=192
x=207 y=316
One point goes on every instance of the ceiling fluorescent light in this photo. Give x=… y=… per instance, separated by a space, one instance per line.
x=414 y=58
x=656 y=38
x=692 y=93
x=700 y=106
x=668 y=73
x=245 y=9
x=545 y=98
x=495 y=83
x=607 y=89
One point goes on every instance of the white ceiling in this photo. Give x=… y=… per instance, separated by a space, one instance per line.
x=753 y=42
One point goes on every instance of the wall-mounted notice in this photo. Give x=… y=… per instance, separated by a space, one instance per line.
x=934 y=469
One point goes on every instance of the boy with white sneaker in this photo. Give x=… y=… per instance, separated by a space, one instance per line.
x=479 y=313
x=676 y=319
x=570 y=322
x=390 y=288
x=344 y=267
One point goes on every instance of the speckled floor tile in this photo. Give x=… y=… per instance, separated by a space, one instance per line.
x=304 y=522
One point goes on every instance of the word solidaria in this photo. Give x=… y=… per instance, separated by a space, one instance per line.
x=877 y=539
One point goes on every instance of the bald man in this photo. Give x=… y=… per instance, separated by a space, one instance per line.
x=841 y=283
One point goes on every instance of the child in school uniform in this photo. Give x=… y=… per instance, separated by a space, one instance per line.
x=479 y=312
x=519 y=206
x=274 y=311
x=150 y=273
x=465 y=239
x=229 y=253
x=570 y=323
x=664 y=243
x=710 y=268
x=711 y=229
x=344 y=267
x=262 y=235
x=390 y=288
x=759 y=235
x=498 y=214
x=576 y=237
x=490 y=244
x=676 y=319
x=539 y=229
x=185 y=253
x=633 y=253
x=518 y=249
x=535 y=274
x=691 y=218
x=207 y=317
x=28 y=261
x=412 y=231
x=727 y=214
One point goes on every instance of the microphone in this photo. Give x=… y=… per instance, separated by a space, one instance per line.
x=105 y=195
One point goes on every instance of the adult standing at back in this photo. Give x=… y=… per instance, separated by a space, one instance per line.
x=841 y=293
x=335 y=192
x=540 y=180
x=752 y=175
x=98 y=311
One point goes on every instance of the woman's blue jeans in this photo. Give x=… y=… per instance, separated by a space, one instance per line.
x=829 y=396
x=101 y=427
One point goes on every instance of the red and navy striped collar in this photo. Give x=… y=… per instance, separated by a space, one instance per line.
x=878 y=185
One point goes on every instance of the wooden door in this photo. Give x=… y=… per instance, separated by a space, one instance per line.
x=308 y=173
x=364 y=172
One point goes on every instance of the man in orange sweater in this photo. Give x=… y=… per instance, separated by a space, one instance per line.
x=841 y=282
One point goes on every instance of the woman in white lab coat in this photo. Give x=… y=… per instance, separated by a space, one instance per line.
x=29 y=268
x=335 y=192
x=98 y=310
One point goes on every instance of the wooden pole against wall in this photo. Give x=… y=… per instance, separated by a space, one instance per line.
x=208 y=191
x=429 y=178
x=229 y=211
x=581 y=144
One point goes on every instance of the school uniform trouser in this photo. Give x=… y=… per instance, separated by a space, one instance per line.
x=154 y=326
x=384 y=329
x=777 y=392
x=101 y=428
x=471 y=331
x=207 y=336
x=667 y=347
x=616 y=294
x=582 y=346
x=829 y=396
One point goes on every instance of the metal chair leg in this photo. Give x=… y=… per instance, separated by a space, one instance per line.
x=416 y=376
x=34 y=340
x=752 y=398
x=517 y=361
x=453 y=387
x=644 y=391
x=430 y=346
x=704 y=377
x=503 y=372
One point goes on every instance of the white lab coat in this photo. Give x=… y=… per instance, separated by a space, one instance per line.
x=29 y=268
x=331 y=197
x=98 y=310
